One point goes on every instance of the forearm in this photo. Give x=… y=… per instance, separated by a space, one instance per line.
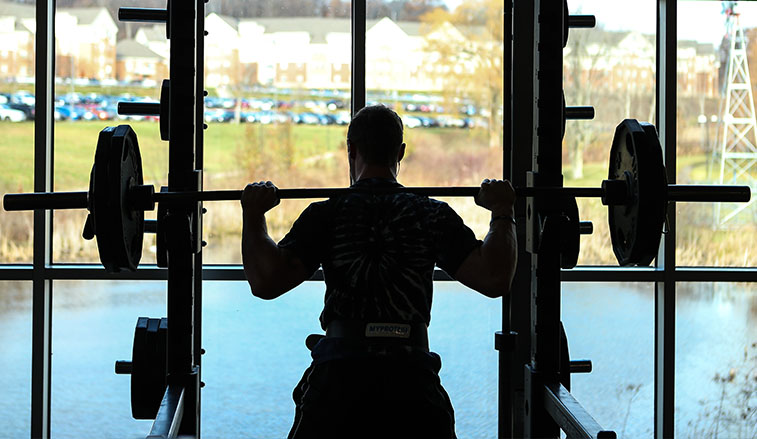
x=499 y=252
x=261 y=257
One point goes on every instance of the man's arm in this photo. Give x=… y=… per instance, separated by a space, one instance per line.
x=489 y=269
x=271 y=271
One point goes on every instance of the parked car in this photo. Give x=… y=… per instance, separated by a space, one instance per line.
x=309 y=119
x=26 y=108
x=411 y=121
x=218 y=115
x=9 y=114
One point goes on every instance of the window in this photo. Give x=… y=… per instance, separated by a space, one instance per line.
x=717 y=133
x=16 y=337
x=279 y=122
x=93 y=327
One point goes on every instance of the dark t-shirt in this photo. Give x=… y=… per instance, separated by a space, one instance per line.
x=378 y=252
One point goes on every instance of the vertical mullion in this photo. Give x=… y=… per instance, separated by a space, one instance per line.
x=665 y=289
x=358 y=12
x=43 y=182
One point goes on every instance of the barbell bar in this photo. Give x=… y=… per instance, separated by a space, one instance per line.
x=80 y=200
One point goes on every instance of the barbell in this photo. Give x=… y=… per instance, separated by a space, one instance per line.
x=636 y=192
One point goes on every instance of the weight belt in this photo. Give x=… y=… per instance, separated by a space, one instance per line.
x=410 y=334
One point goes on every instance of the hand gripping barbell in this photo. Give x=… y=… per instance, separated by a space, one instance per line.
x=636 y=192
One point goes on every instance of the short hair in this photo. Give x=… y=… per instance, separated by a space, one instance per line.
x=376 y=131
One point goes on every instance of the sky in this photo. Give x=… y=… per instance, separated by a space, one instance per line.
x=697 y=20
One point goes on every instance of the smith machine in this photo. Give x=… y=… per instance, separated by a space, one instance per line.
x=166 y=356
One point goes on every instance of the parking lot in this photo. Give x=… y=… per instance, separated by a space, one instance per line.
x=415 y=113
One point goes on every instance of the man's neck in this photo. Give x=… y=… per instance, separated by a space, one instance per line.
x=384 y=172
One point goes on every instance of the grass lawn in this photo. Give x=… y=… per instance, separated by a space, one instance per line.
x=75 y=144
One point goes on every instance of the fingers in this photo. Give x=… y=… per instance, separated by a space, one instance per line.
x=495 y=194
x=260 y=197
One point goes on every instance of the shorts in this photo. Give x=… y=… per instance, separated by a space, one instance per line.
x=356 y=390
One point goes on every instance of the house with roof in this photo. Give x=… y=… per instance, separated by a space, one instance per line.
x=222 y=66
x=86 y=43
x=298 y=52
x=137 y=63
x=17 y=25
x=154 y=37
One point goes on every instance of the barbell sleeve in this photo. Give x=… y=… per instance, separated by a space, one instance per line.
x=45 y=200
x=709 y=193
x=584 y=21
x=139 y=108
x=145 y=15
x=579 y=113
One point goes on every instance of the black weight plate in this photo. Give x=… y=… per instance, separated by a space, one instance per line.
x=165 y=114
x=636 y=227
x=148 y=376
x=565 y=28
x=570 y=238
x=118 y=226
x=564 y=359
x=161 y=251
x=562 y=133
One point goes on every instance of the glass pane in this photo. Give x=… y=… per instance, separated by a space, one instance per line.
x=278 y=80
x=619 y=392
x=16 y=339
x=17 y=124
x=441 y=70
x=717 y=129
x=100 y=62
x=93 y=326
x=716 y=360
x=612 y=68
x=256 y=374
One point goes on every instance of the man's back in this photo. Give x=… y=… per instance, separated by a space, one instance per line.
x=378 y=252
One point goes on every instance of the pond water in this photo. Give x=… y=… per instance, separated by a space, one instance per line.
x=256 y=354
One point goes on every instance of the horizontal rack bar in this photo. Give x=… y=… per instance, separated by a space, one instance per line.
x=220 y=272
x=166 y=424
x=572 y=418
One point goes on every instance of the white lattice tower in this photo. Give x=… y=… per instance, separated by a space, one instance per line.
x=737 y=150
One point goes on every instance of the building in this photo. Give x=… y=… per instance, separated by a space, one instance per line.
x=17 y=25
x=621 y=60
x=137 y=63
x=85 y=42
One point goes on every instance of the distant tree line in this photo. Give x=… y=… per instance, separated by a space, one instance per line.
x=405 y=10
x=397 y=10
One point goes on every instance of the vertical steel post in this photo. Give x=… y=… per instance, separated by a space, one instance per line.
x=199 y=165
x=506 y=344
x=42 y=287
x=357 y=13
x=512 y=396
x=665 y=291
x=545 y=216
x=181 y=368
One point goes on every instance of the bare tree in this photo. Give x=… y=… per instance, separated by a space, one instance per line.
x=471 y=56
